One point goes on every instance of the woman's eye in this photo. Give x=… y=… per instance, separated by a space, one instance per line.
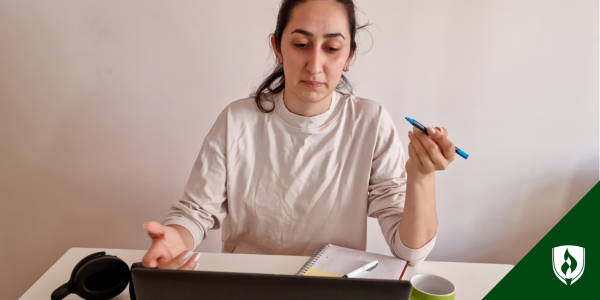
x=303 y=46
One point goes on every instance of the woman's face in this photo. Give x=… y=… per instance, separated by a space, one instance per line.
x=315 y=49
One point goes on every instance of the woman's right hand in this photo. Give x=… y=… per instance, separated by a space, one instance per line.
x=168 y=250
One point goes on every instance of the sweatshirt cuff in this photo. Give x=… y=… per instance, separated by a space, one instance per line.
x=413 y=256
x=194 y=229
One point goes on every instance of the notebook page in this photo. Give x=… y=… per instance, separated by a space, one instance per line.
x=340 y=260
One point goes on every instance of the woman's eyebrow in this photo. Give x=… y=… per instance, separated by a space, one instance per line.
x=327 y=35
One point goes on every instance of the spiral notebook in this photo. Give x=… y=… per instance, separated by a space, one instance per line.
x=335 y=261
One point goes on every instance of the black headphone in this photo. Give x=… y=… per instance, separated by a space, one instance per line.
x=96 y=277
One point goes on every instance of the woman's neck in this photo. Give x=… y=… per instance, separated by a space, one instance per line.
x=305 y=108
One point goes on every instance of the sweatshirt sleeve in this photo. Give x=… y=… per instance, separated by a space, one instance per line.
x=387 y=191
x=203 y=205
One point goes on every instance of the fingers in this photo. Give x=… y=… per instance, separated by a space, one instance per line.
x=442 y=130
x=157 y=253
x=420 y=148
x=445 y=145
x=412 y=153
x=192 y=262
x=155 y=230
x=440 y=150
x=186 y=260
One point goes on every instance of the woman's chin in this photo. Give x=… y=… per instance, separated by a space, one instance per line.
x=313 y=95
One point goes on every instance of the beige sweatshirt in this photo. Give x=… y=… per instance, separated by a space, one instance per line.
x=285 y=184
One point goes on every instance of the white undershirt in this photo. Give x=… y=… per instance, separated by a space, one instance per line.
x=285 y=184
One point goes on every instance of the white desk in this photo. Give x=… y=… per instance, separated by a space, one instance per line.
x=472 y=281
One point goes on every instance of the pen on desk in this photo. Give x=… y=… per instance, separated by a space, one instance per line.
x=424 y=129
x=368 y=267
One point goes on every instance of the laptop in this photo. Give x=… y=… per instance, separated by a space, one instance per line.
x=160 y=284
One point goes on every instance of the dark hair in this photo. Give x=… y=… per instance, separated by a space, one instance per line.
x=277 y=76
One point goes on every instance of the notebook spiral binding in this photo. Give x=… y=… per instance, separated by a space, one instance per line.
x=313 y=259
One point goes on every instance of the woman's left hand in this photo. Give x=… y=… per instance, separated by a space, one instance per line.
x=428 y=153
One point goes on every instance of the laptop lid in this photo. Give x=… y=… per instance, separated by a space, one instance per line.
x=159 y=284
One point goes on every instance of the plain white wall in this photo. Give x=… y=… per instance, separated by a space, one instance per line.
x=104 y=106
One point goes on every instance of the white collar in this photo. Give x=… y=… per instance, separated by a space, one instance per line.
x=307 y=122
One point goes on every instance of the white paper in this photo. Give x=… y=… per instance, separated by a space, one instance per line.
x=340 y=260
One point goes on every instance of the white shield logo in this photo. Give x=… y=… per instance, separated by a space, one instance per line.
x=568 y=263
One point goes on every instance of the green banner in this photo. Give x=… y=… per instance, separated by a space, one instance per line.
x=565 y=263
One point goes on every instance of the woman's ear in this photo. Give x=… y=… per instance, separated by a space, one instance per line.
x=350 y=57
x=274 y=46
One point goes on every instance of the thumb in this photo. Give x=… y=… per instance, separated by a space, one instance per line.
x=437 y=133
x=444 y=131
x=155 y=230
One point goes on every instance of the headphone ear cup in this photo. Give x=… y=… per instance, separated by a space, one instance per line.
x=68 y=288
x=83 y=261
x=102 y=278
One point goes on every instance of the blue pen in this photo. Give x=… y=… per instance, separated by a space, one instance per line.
x=424 y=129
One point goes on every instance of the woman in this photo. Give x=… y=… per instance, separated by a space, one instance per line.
x=300 y=164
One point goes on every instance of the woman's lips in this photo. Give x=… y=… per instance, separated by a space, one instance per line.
x=312 y=84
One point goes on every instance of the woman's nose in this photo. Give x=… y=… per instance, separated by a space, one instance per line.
x=315 y=61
